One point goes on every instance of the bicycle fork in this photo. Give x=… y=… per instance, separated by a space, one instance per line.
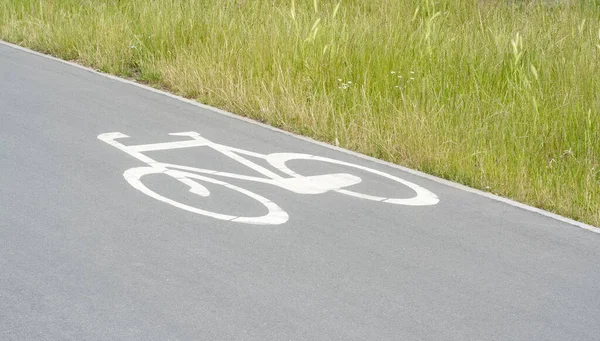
x=133 y=174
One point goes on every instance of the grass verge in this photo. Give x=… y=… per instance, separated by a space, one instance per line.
x=498 y=95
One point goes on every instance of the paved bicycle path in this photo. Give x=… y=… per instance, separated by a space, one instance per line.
x=85 y=256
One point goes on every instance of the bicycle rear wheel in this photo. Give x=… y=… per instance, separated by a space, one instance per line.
x=422 y=197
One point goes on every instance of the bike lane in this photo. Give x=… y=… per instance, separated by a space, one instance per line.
x=87 y=256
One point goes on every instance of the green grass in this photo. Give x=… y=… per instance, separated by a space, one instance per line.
x=499 y=95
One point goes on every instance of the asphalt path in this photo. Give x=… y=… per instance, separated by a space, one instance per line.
x=84 y=255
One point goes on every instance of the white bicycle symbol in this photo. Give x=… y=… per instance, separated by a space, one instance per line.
x=296 y=183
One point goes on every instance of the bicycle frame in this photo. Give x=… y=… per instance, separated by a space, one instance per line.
x=299 y=184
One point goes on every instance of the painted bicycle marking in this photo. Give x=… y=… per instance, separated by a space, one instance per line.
x=194 y=177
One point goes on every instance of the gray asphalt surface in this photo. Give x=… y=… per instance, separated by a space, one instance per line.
x=85 y=256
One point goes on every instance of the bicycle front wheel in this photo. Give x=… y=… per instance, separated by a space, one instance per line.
x=275 y=215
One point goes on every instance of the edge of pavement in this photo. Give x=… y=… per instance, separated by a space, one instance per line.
x=555 y=216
